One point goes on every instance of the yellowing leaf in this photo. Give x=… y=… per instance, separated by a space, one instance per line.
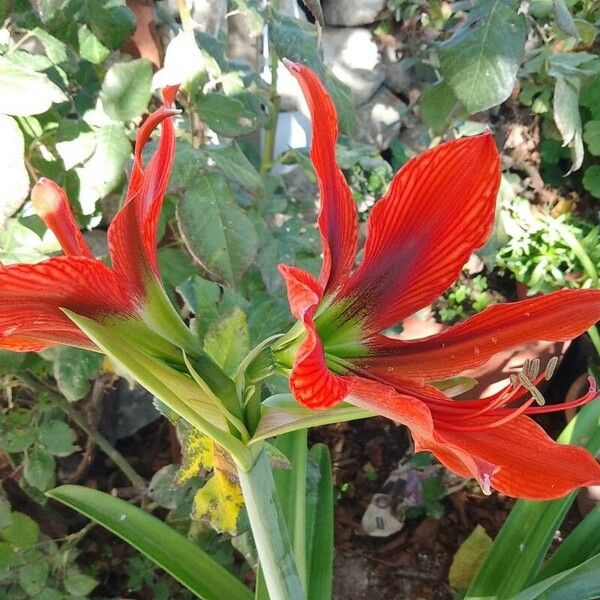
x=197 y=455
x=219 y=502
x=468 y=558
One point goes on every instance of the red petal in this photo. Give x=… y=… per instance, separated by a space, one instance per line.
x=52 y=205
x=132 y=234
x=439 y=208
x=554 y=317
x=22 y=343
x=31 y=297
x=311 y=382
x=517 y=458
x=338 y=220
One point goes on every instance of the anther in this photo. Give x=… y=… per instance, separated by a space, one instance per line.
x=530 y=387
x=550 y=367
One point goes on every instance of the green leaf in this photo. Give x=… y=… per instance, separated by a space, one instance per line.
x=24 y=92
x=527 y=534
x=234 y=164
x=74 y=369
x=228 y=115
x=110 y=21
x=215 y=230
x=10 y=362
x=345 y=108
x=319 y=523
x=296 y=40
x=126 y=89
x=479 y=62
x=103 y=172
x=58 y=438
x=468 y=558
x=90 y=47
x=581 y=544
x=581 y=582
x=55 y=50
x=437 y=103
x=591 y=136
x=39 y=468
x=78 y=583
x=172 y=552
x=22 y=533
x=13 y=173
x=33 y=576
x=227 y=340
x=567 y=119
x=564 y=19
x=591 y=180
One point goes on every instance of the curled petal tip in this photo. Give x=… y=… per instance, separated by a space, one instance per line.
x=169 y=92
x=292 y=66
x=46 y=197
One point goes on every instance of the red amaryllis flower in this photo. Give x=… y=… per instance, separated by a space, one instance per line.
x=439 y=208
x=32 y=296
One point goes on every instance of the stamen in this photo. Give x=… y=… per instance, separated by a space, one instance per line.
x=550 y=367
x=534 y=369
x=530 y=387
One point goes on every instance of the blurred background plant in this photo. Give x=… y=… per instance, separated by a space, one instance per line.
x=76 y=79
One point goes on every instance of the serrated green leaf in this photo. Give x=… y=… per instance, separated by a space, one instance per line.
x=437 y=103
x=74 y=370
x=24 y=92
x=567 y=119
x=296 y=40
x=126 y=89
x=479 y=62
x=105 y=169
x=77 y=583
x=228 y=115
x=39 y=468
x=591 y=136
x=90 y=47
x=58 y=438
x=227 y=340
x=33 y=576
x=110 y=21
x=23 y=532
x=234 y=164
x=591 y=180
x=215 y=230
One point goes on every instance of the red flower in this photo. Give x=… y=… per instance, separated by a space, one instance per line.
x=439 y=208
x=32 y=296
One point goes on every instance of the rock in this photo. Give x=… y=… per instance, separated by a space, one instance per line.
x=379 y=120
x=209 y=15
x=354 y=58
x=349 y=13
x=400 y=76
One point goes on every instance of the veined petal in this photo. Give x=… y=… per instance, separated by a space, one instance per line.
x=553 y=317
x=31 y=297
x=52 y=206
x=338 y=219
x=517 y=458
x=23 y=343
x=439 y=208
x=132 y=233
x=311 y=382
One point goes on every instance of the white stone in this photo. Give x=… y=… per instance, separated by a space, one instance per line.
x=379 y=120
x=352 y=12
x=354 y=58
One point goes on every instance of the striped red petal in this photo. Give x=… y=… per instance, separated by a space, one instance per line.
x=338 y=219
x=132 y=233
x=52 y=205
x=31 y=298
x=311 y=382
x=554 y=317
x=439 y=208
x=517 y=458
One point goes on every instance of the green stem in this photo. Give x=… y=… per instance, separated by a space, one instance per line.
x=100 y=441
x=300 y=456
x=184 y=14
x=270 y=532
x=266 y=161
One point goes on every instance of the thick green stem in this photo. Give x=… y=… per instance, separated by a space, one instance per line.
x=266 y=161
x=270 y=532
x=300 y=455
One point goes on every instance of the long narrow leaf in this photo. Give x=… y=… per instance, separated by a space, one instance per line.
x=581 y=544
x=171 y=551
x=527 y=534
x=319 y=523
x=579 y=583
